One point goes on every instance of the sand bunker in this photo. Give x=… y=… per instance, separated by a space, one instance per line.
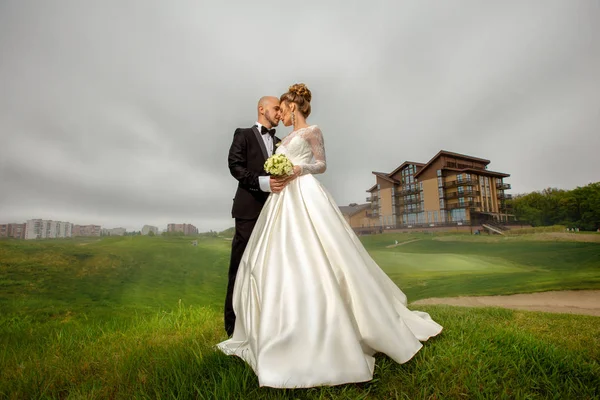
x=569 y=301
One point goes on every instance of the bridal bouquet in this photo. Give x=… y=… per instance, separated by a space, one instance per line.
x=279 y=165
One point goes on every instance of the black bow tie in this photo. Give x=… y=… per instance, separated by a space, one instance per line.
x=264 y=130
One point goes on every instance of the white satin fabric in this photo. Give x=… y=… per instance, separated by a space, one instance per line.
x=312 y=307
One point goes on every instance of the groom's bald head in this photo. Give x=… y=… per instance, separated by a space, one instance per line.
x=268 y=111
x=265 y=101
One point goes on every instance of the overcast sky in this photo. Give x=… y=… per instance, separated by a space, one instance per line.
x=121 y=113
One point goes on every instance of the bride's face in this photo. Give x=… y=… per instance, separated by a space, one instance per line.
x=286 y=113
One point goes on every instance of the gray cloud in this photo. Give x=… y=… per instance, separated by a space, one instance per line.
x=121 y=113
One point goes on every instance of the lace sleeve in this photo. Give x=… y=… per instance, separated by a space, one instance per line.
x=314 y=137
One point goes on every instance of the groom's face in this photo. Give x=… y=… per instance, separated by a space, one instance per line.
x=272 y=112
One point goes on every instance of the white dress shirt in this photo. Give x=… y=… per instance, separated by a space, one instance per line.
x=264 y=182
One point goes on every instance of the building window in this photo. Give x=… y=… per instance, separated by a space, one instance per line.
x=439 y=172
x=458 y=215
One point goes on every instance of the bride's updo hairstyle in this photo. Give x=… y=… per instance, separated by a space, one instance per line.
x=300 y=95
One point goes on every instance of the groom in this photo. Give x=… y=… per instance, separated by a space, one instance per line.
x=247 y=155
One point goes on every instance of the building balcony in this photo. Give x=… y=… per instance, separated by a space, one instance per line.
x=466 y=204
x=401 y=193
x=464 y=182
x=401 y=201
x=373 y=214
x=371 y=199
x=405 y=210
x=449 y=164
x=456 y=195
x=505 y=196
x=502 y=186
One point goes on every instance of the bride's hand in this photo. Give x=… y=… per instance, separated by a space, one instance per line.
x=297 y=171
x=280 y=182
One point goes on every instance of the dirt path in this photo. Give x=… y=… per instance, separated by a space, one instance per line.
x=568 y=302
x=403 y=243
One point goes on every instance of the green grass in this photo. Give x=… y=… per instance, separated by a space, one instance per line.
x=138 y=317
x=47 y=279
x=489 y=353
x=446 y=268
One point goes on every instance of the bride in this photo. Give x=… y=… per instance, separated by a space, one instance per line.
x=312 y=306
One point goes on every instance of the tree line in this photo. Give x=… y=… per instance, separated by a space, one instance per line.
x=577 y=208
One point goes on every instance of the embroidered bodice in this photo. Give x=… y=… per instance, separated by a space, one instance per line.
x=305 y=148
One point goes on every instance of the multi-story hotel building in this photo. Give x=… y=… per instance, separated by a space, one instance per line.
x=450 y=189
x=16 y=231
x=187 y=229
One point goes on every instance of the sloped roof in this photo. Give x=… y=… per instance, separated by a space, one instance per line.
x=450 y=153
x=385 y=176
x=479 y=172
x=353 y=209
x=404 y=164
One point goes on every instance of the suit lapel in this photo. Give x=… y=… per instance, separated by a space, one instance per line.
x=261 y=142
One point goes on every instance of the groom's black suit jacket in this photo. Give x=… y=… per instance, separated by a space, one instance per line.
x=247 y=156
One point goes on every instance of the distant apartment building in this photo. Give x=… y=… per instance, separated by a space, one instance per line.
x=15 y=231
x=64 y=229
x=187 y=229
x=450 y=189
x=87 y=230
x=113 y=232
x=47 y=229
x=149 y=228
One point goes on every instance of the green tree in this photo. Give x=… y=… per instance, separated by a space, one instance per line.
x=577 y=208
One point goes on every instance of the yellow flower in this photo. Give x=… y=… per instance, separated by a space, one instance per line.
x=279 y=165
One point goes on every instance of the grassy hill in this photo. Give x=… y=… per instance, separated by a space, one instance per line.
x=137 y=317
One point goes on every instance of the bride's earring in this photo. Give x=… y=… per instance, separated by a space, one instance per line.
x=293 y=118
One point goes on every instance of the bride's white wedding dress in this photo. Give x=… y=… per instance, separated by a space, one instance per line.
x=311 y=305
